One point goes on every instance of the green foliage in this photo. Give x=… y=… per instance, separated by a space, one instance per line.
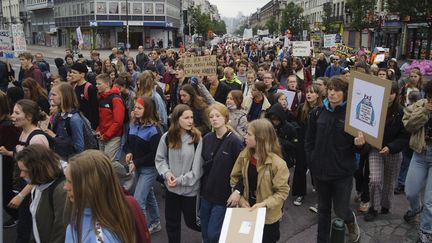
x=292 y=19
x=272 y=25
x=418 y=10
x=360 y=10
x=219 y=27
x=241 y=28
x=203 y=23
x=326 y=18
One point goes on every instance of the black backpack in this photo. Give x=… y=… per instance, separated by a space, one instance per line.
x=34 y=133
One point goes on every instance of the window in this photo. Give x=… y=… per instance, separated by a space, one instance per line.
x=148 y=8
x=123 y=8
x=159 y=8
x=113 y=8
x=137 y=8
x=101 y=7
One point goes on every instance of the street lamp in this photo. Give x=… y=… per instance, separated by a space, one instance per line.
x=127 y=27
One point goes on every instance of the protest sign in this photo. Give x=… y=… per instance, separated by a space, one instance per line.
x=79 y=37
x=243 y=225
x=289 y=95
x=5 y=41
x=367 y=107
x=329 y=40
x=200 y=66
x=247 y=34
x=19 y=40
x=301 y=48
x=263 y=32
x=344 y=50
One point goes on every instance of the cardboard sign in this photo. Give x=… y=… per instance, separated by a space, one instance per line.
x=344 y=50
x=329 y=40
x=200 y=66
x=5 y=41
x=301 y=48
x=367 y=107
x=247 y=34
x=242 y=225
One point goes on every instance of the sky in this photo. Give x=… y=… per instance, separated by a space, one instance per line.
x=230 y=8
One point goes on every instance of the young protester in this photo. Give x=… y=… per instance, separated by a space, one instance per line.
x=237 y=115
x=250 y=80
x=41 y=167
x=219 y=152
x=417 y=121
x=384 y=164
x=111 y=116
x=217 y=89
x=332 y=160
x=263 y=175
x=313 y=99
x=382 y=73
x=241 y=70
x=35 y=92
x=304 y=77
x=178 y=160
x=284 y=71
x=142 y=142
x=96 y=205
x=271 y=85
x=256 y=104
x=30 y=70
x=415 y=83
x=180 y=80
x=299 y=95
x=334 y=68
x=189 y=96
x=230 y=79
x=133 y=70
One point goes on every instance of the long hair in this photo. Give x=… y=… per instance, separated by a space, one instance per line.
x=196 y=101
x=4 y=106
x=69 y=100
x=36 y=91
x=237 y=96
x=174 y=136
x=96 y=186
x=104 y=66
x=31 y=108
x=145 y=84
x=307 y=107
x=266 y=140
x=395 y=106
x=223 y=110
x=420 y=82
x=150 y=115
x=42 y=163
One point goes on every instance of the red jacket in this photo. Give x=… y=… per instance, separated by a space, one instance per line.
x=111 y=114
x=142 y=233
x=35 y=73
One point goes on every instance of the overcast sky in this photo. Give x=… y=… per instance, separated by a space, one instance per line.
x=230 y=8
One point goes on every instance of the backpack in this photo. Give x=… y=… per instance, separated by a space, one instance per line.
x=86 y=88
x=34 y=133
x=90 y=141
x=126 y=110
x=51 y=189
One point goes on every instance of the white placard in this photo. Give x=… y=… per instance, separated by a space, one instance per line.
x=301 y=48
x=263 y=32
x=233 y=215
x=5 y=41
x=287 y=41
x=79 y=37
x=289 y=95
x=329 y=40
x=19 y=40
x=379 y=58
x=247 y=34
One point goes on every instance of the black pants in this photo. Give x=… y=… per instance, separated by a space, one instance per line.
x=338 y=193
x=24 y=227
x=271 y=233
x=175 y=205
x=362 y=178
x=299 y=180
x=8 y=194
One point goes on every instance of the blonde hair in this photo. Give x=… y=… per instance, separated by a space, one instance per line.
x=146 y=84
x=223 y=110
x=266 y=140
x=96 y=186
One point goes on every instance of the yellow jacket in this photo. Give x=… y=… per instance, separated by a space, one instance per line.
x=272 y=183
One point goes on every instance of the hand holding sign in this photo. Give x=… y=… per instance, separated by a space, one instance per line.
x=359 y=140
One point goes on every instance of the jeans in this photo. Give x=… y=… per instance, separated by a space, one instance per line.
x=419 y=178
x=120 y=155
x=144 y=193
x=212 y=217
x=337 y=192
x=407 y=155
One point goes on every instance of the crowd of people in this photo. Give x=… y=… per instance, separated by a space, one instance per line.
x=83 y=146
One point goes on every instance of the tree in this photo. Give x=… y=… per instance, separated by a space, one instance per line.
x=200 y=21
x=362 y=12
x=419 y=11
x=326 y=18
x=218 y=27
x=292 y=19
x=241 y=28
x=272 y=25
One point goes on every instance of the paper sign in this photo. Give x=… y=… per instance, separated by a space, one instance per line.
x=200 y=66
x=329 y=40
x=79 y=37
x=301 y=48
x=5 y=41
x=343 y=49
x=243 y=225
x=379 y=58
x=19 y=38
x=247 y=34
x=289 y=95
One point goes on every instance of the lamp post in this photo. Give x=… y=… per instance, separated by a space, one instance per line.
x=127 y=27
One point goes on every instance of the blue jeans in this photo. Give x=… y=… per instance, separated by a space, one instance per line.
x=144 y=193
x=120 y=155
x=407 y=155
x=212 y=217
x=419 y=178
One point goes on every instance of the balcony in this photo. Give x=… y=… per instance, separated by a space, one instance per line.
x=33 y=5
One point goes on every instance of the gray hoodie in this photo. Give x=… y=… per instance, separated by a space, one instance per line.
x=185 y=164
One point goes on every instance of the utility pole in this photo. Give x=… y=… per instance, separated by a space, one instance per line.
x=127 y=27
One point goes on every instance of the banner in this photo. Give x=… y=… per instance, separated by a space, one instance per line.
x=344 y=50
x=301 y=48
x=5 y=41
x=247 y=34
x=200 y=66
x=263 y=32
x=329 y=40
x=79 y=37
x=19 y=40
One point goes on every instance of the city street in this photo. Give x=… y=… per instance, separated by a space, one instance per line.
x=300 y=225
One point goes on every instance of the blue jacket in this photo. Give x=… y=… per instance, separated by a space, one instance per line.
x=332 y=71
x=76 y=129
x=88 y=234
x=142 y=142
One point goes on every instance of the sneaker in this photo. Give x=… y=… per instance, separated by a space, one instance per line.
x=399 y=190
x=410 y=216
x=155 y=228
x=385 y=210
x=10 y=223
x=354 y=230
x=364 y=207
x=298 y=201
x=314 y=208
x=371 y=215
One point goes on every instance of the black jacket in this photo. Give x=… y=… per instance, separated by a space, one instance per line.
x=215 y=185
x=331 y=149
x=221 y=92
x=396 y=138
x=141 y=60
x=321 y=68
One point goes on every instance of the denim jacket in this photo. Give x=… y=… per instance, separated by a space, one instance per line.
x=76 y=129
